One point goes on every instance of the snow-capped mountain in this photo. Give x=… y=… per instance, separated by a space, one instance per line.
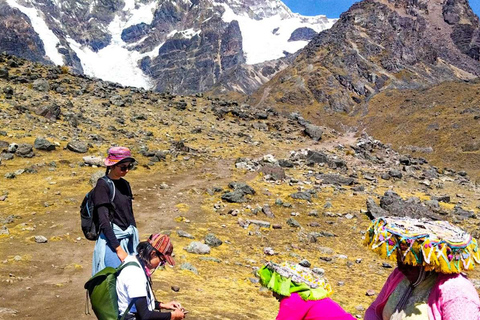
x=181 y=46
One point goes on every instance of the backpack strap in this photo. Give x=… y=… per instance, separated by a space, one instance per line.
x=111 y=187
x=119 y=269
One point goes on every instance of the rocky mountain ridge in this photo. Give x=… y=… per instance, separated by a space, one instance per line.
x=177 y=46
x=378 y=45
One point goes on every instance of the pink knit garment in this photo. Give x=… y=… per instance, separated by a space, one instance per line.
x=453 y=297
x=295 y=308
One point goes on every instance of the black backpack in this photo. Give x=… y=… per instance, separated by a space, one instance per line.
x=88 y=216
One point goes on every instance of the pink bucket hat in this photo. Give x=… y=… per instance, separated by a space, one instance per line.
x=117 y=155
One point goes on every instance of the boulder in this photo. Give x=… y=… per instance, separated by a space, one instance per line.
x=41 y=85
x=77 y=146
x=24 y=150
x=43 y=144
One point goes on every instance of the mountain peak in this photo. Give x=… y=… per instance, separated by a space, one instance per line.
x=379 y=44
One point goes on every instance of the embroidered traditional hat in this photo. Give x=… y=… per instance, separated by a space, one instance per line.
x=117 y=155
x=436 y=245
x=162 y=243
x=286 y=278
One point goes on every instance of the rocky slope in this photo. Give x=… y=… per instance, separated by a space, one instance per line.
x=234 y=186
x=180 y=46
x=378 y=45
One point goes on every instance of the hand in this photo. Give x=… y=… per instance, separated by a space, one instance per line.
x=172 y=305
x=121 y=253
x=177 y=314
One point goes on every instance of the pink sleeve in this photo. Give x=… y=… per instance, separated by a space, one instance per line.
x=292 y=308
x=371 y=314
x=459 y=299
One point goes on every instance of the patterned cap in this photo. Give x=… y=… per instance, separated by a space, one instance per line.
x=287 y=278
x=435 y=245
x=162 y=243
x=117 y=155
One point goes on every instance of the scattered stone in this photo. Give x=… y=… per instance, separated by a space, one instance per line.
x=316 y=157
x=335 y=179
x=260 y=223
x=78 y=147
x=212 y=259
x=313 y=131
x=268 y=251
x=43 y=144
x=198 y=248
x=7 y=312
x=24 y=150
x=117 y=100
x=184 y=234
x=305 y=263
x=4 y=230
x=459 y=211
x=395 y=174
x=212 y=240
x=370 y=292
x=189 y=267
x=293 y=223
x=319 y=271
x=40 y=239
x=386 y=265
x=302 y=195
x=273 y=172
x=175 y=288
x=41 y=85
x=268 y=211
x=93 y=161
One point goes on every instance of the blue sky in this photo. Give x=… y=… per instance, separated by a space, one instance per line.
x=333 y=8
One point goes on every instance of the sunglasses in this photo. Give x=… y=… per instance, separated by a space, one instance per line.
x=127 y=167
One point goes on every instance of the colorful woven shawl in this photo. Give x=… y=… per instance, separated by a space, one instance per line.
x=436 y=245
x=287 y=278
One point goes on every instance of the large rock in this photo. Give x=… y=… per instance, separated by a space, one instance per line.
x=78 y=146
x=198 y=248
x=24 y=150
x=51 y=112
x=41 y=85
x=43 y=144
x=313 y=131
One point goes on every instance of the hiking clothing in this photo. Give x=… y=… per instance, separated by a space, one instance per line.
x=122 y=216
x=132 y=283
x=117 y=224
x=102 y=254
x=416 y=306
x=143 y=313
x=452 y=297
x=295 y=308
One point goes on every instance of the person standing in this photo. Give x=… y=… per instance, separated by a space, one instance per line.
x=112 y=197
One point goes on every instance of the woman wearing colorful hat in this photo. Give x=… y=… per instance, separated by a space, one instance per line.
x=134 y=283
x=428 y=282
x=302 y=293
x=112 y=197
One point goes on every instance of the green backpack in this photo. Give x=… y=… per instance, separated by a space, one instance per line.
x=102 y=290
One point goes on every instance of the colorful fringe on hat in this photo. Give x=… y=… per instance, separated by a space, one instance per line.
x=288 y=278
x=436 y=245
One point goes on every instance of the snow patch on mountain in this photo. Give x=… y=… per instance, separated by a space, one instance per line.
x=50 y=40
x=115 y=62
x=267 y=39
